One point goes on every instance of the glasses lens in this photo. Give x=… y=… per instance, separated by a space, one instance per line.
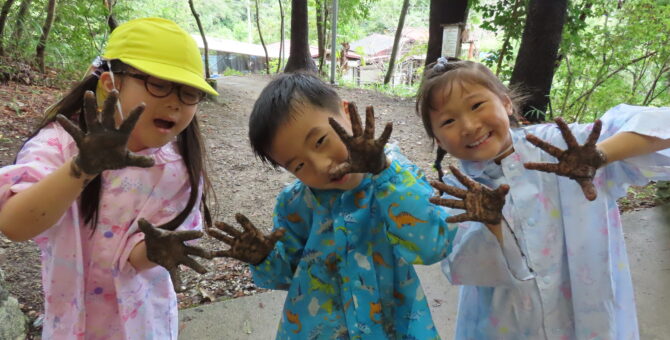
x=190 y=95
x=158 y=87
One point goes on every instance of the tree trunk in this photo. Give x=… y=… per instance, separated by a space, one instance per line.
x=396 y=41
x=42 y=44
x=202 y=34
x=281 y=34
x=3 y=20
x=20 y=22
x=320 y=25
x=535 y=61
x=443 y=12
x=260 y=35
x=300 y=58
x=111 y=22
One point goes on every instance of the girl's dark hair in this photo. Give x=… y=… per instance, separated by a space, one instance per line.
x=443 y=74
x=189 y=142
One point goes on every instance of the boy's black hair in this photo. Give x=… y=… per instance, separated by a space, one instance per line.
x=283 y=97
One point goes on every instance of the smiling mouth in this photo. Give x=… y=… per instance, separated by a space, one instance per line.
x=163 y=124
x=480 y=140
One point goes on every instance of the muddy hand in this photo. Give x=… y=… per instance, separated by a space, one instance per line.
x=249 y=245
x=103 y=146
x=366 y=155
x=167 y=249
x=578 y=162
x=481 y=204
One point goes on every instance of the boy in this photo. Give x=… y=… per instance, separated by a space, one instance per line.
x=351 y=226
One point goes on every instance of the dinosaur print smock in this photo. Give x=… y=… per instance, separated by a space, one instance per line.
x=346 y=259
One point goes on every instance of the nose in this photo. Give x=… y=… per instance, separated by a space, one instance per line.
x=173 y=101
x=470 y=125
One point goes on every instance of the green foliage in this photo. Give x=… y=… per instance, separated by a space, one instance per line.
x=232 y=72
x=613 y=56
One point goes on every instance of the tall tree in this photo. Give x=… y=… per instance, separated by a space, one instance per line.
x=3 y=19
x=42 y=44
x=321 y=31
x=20 y=21
x=202 y=34
x=443 y=12
x=537 y=56
x=396 y=41
x=260 y=35
x=300 y=57
x=281 y=36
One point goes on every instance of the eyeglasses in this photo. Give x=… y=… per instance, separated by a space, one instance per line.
x=160 y=88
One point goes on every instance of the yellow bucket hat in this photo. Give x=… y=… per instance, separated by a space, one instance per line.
x=161 y=48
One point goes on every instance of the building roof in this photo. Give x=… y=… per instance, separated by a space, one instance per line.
x=231 y=46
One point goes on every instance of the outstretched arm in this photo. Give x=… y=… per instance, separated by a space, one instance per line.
x=580 y=162
x=630 y=144
x=481 y=204
x=31 y=212
x=249 y=245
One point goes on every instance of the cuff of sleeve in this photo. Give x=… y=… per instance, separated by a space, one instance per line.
x=133 y=240
x=387 y=173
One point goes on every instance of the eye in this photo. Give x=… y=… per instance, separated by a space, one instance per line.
x=447 y=122
x=477 y=105
x=298 y=167
x=321 y=141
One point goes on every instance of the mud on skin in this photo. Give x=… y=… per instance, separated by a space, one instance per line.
x=578 y=162
x=166 y=247
x=250 y=245
x=481 y=203
x=366 y=155
x=103 y=146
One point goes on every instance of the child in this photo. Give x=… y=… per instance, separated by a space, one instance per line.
x=351 y=226
x=571 y=235
x=80 y=189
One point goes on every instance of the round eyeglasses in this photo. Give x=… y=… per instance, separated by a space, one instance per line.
x=160 y=88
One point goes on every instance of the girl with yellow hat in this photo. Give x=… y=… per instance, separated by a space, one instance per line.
x=90 y=185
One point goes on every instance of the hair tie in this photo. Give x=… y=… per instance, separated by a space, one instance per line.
x=98 y=66
x=441 y=64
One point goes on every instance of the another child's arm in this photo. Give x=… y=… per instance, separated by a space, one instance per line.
x=249 y=245
x=274 y=266
x=31 y=212
x=481 y=204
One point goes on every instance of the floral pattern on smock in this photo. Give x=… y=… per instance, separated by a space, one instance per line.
x=91 y=291
x=346 y=259
x=579 y=284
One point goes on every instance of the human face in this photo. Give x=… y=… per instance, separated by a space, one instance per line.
x=162 y=119
x=308 y=147
x=471 y=122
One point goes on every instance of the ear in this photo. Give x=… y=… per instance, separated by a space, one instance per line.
x=507 y=103
x=437 y=142
x=107 y=83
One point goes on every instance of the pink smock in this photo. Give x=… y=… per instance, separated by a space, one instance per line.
x=91 y=290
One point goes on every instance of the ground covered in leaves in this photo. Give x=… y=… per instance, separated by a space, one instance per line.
x=241 y=182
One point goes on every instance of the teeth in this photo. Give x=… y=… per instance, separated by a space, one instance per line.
x=481 y=140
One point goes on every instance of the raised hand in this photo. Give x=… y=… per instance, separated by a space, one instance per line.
x=481 y=204
x=366 y=155
x=250 y=245
x=103 y=146
x=577 y=162
x=166 y=248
